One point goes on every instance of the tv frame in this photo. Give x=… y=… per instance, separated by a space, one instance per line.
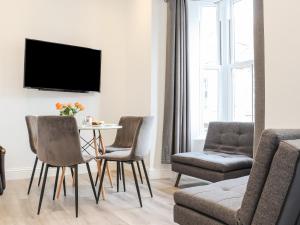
x=58 y=89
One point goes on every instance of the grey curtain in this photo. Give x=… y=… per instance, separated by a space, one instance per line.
x=259 y=67
x=176 y=130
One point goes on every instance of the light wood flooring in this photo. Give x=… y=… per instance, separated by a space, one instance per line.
x=16 y=208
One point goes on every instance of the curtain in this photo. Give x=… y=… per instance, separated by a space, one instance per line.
x=259 y=67
x=176 y=129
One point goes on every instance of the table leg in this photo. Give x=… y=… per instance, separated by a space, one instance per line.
x=98 y=161
x=61 y=182
x=103 y=152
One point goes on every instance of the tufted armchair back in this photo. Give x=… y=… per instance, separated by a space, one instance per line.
x=230 y=137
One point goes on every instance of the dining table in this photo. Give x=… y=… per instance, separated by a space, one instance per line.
x=94 y=145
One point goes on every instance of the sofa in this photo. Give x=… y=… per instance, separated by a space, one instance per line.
x=227 y=154
x=269 y=196
x=2 y=172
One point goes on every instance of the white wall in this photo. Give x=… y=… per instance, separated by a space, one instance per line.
x=282 y=55
x=120 y=28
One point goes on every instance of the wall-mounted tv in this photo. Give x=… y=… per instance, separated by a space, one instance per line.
x=52 y=66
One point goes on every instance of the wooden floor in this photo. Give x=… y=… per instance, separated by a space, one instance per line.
x=16 y=208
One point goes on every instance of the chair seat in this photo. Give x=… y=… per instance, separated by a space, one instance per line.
x=220 y=200
x=117 y=156
x=216 y=161
x=110 y=149
x=87 y=158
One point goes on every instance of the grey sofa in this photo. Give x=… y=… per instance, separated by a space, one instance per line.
x=269 y=196
x=227 y=153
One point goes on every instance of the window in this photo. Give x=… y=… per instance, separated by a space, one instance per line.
x=221 y=62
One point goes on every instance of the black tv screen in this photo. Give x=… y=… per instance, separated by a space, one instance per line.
x=53 y=66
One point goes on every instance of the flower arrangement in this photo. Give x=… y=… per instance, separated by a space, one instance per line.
x=69 y=109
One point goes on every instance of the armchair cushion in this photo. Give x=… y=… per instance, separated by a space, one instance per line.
x=220 y=201
x=216 y=161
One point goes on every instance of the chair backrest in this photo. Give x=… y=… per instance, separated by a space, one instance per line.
x=31 y=122
x=267 y=148
x=58 y=141
x=143 y=144
x=125 y=136
x=232 y=137
x=279 y=201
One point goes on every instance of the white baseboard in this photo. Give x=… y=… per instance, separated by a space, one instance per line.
x=163 y=172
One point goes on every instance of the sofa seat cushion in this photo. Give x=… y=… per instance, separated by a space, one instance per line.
x=220 y=200
x=217 y=161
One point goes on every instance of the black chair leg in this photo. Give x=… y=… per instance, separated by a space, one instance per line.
x=43 y=189
x=41 y=173
x=76 y=190
x=139 y=169
x=177 y=180
x=123 y=176
x=91 y=180
x=97 y=178
x=101 y=180
x=147 y=178
x=55 y=183
x=136 y=184
x=64 y=186
x=32 y=175
x=118 y=175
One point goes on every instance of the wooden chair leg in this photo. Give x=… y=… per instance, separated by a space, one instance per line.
x=41 y=173
x=147 y=178
x=43 y=189
x=101 y=180
x=76 y=190
x=32 y=175
x=91 y=180
x=123 y=176
x=139 y=169
x=61 y=181
x=178 y=179
x=136 y=184
x=55 y=183
x=109 y=176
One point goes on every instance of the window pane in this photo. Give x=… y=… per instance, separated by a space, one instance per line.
x=208 y=98
x=208 y=35
x=242 y=94
x=243 y=30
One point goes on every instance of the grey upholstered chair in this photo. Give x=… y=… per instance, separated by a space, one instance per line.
x=123 y=142
x=227 y=153
x=59 y=146
x=140 y=149
x=31 y=122
x=269 y=196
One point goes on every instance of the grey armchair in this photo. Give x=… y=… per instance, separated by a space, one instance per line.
x=59 y=146
x=140 y=149
x=269 y=196
x=227 y=153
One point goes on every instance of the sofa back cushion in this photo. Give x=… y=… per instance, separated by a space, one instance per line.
x=267 y=148
x=276 y=189
x=230 y=137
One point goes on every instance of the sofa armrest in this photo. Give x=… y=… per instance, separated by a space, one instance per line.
x=2 y=170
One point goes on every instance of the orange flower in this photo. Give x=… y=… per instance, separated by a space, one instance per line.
x=77 y=104
x=59 y=106
x=70 y=105
x=80 y=107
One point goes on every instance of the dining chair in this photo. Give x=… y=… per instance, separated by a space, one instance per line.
x=31 y=122
x=141 y=148
x=123 y=142
x=59 y=147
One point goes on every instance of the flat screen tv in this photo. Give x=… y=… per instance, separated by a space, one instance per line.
x=52 y=66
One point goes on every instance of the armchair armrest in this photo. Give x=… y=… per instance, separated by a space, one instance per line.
x=2 y=170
